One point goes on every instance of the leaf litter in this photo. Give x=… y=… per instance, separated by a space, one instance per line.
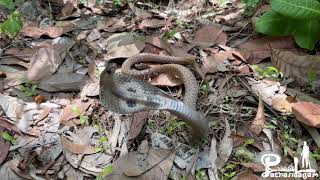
x=51 y=113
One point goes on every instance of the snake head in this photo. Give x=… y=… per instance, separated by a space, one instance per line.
x=110 y=67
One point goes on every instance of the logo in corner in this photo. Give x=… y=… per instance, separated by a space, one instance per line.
x=271 y=160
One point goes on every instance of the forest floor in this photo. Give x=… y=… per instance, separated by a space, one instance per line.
x=261 y=98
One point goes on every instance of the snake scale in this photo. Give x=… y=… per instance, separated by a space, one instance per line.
x=125 y=94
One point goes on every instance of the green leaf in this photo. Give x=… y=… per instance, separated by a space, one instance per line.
x=307 y=33
x=7 y=136
x=298 y=9
x=107 y=170
x=9 y=4
x=275 y=24
x=12 y=25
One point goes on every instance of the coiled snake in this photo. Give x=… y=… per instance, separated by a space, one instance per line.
x=124 y=94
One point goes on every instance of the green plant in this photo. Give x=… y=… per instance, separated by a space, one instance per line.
x=117 y=2
x=9 y=137
x=29 y=88
x=243 y=154
x=201 y=175
x=316 y=155
x=170 y=34
x=299 y=18
x=228 y=171
x=77 y=111
x=13 y=24
x=271 y=71
x=173 y=124
x=250 y=6
x=183 y=24
x=312 y=79
x=107 y=170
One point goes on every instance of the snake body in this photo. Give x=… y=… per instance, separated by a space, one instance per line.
x=125 y=94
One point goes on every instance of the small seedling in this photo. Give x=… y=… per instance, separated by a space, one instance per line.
x=316 y=155
x=117 y=3
x=107 y=170
x=170 y=34
x=9 y=137
x=271 y=71
x=201 y=175
x=173 y=124
x=29 y=88
x=250 y=6
x=312 y=79
x=228 y=171
x=183 y=24
x=77 y=111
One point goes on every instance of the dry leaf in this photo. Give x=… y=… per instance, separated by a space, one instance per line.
x=44 y=63
x=52 y=31
x=165 y=80
x=140 y=13
x=211 y=34
x=260 y=48
x=77 y=148
x=68 y=112
x=9 y=126
x=258 y=123
x=67 y=9
x=282 y=105
x=63 y=82
x=24 y=54
x=225 y=148
x=307 y=113
x=211 y=63
x=295 y=65
x=152 y=23
x=247 y=176
x=136 y=165
x=124 y=51
x=137 y=123
x=267 y=89
x=231 y=17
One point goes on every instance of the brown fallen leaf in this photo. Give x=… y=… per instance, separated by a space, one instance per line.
x=231 y=17
x=44 y=114
x=21 y=53
x=9 y=126
x=256 y=167
x=260 y=48
x=44 y=63
x=125 y=51
x=225 y=148
x=112 y=24
x=247 y=176
x=140 y=13
x=68 y=112
x=77 y=148
x=295 y=65
x=211 y=63
x=67 y=9
x=307 y=113
x=211 y=34
x=258 y=123
x=282 y=105
x=137 y=122
x=152 y=23
x=34 y=31
x=155 y=164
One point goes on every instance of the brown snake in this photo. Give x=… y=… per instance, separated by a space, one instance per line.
x=124 y=94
